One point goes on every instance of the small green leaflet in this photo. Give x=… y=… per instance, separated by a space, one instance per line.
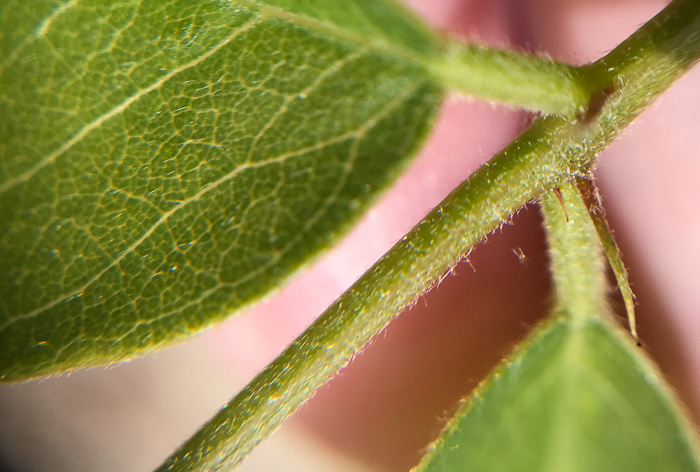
x=572 y=399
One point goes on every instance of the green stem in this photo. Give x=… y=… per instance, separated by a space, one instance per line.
x=575 y=256
x=552 y=151
x=535 y=83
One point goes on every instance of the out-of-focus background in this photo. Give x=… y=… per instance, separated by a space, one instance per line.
x=385 y=408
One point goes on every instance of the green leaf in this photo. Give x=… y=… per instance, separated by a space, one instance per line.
x=578 y=395
x=579 y=399
x=163 y=165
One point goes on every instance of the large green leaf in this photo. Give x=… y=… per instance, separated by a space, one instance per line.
x=163 y=164
x=578 y=395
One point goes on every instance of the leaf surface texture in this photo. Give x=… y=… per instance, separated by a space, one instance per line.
x=572 y=399
x=165 y=163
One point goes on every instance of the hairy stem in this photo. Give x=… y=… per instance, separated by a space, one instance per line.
x=551 y=152
x=535 y=83
x=575 y=255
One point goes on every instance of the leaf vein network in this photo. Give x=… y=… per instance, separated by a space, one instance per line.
x=100 y=120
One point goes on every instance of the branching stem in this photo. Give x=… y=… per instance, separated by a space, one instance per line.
x=551 y=152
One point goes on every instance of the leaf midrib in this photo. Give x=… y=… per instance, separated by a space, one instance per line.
x=568 y=368
x=269 y=12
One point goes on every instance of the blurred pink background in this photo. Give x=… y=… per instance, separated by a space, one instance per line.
x=383 y=410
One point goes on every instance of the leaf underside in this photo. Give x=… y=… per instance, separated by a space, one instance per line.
x=164 y=164
x=574 y=399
